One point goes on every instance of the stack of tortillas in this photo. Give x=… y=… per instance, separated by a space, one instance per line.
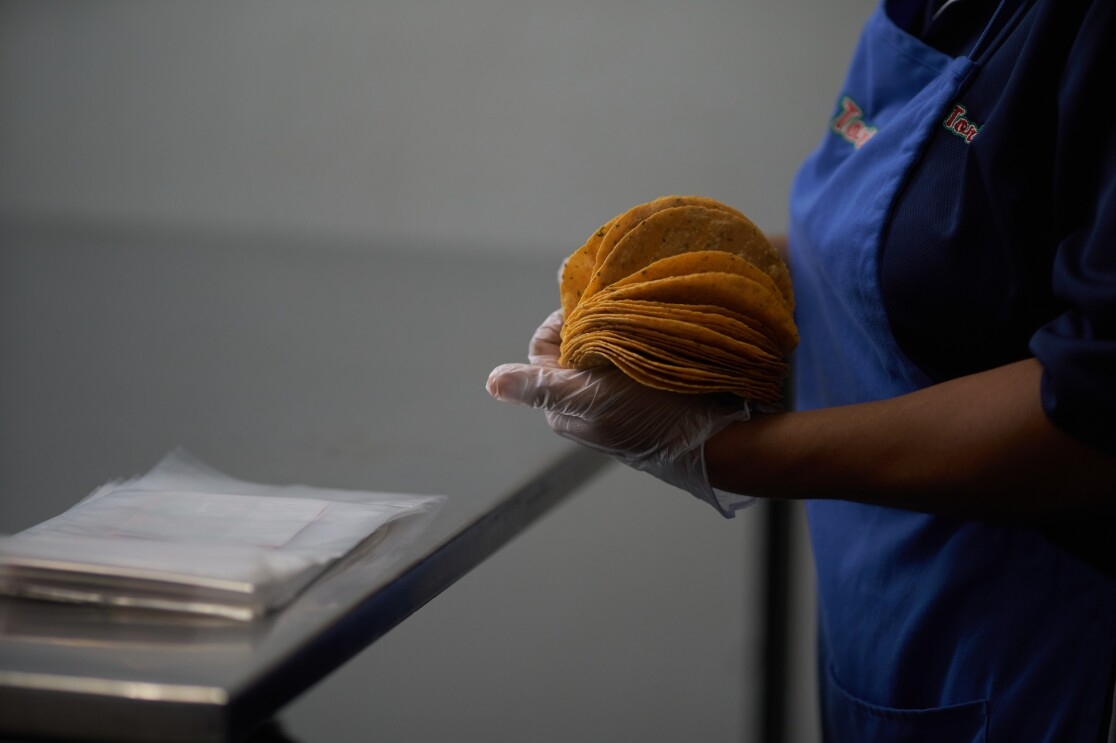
x=683 y=294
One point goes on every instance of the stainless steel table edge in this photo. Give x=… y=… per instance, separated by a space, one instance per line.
x=416 y=585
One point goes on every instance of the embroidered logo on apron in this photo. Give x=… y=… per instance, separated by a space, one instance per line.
x=958 y=123
x=849 y=124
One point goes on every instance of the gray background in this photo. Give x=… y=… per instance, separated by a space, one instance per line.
x=493 y=127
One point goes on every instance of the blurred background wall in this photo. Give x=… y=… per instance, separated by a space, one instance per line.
x=498 y=127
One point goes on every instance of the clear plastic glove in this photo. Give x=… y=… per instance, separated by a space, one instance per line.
x=661 y=433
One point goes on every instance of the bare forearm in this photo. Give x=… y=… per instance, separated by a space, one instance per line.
x=980 y=446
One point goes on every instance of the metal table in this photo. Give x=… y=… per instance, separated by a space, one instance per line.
x=272 y=361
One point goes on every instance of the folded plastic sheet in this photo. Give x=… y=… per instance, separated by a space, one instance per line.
x=187 y=538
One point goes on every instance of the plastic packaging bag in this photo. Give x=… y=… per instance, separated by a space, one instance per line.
x=187 y=538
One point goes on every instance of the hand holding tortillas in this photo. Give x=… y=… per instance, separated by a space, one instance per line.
x=651 y=430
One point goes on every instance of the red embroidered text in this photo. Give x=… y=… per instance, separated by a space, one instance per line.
x=958 y=123
x=849 y=124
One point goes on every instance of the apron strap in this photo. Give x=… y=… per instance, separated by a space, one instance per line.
x=1004 y=19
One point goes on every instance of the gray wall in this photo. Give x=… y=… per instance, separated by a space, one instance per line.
x=476 y=124
x=494 y=126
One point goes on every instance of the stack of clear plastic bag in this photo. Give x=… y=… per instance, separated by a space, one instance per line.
x=187 y=538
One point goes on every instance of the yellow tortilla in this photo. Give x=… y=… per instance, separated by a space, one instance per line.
x=682 y=293
x=688 y=229
x=579 y=267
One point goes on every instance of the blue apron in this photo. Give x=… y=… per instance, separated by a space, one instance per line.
x=930 y=629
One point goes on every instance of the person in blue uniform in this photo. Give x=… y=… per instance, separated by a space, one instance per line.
x=952 y=242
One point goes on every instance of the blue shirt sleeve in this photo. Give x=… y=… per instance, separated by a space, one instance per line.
x=1078 y=348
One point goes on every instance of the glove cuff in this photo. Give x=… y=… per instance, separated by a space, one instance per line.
x=725 y=502
x=729 y=503
x=688 y=473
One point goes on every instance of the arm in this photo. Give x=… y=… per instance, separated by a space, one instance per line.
x=977 y=447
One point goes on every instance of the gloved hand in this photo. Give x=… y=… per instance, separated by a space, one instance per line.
x=654 y=431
